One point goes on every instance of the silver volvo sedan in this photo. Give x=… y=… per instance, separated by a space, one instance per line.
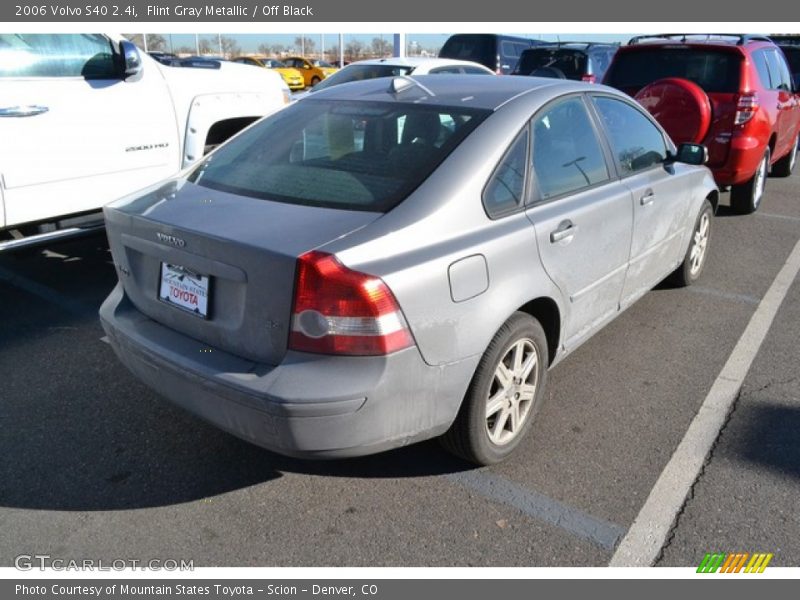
x=398 y=259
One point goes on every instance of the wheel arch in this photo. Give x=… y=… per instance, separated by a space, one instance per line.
x=546 y=311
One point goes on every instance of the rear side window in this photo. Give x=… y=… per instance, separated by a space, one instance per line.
x=339 y=154
x=360 y=72
x=760 y=61
x=714 y=71
x=637 y=143
x=778 y=71
x=86 y=55
x=506 y=189
x=572 y=63
x=566 y=153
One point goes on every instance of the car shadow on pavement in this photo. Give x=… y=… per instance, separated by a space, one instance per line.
x=767 y=435
x=80 y=433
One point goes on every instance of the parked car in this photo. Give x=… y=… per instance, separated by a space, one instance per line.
x=390 y=67
x=500 y=53
x=732 y=93
x=87 y=118
x=312 y=70
x=581 y=61
x=293 y=78
x=398 y=259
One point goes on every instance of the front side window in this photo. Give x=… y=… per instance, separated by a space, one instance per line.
x=567 y=155
x=86 y=55
x=339 y=154
x=637 y=143
x=506 y=189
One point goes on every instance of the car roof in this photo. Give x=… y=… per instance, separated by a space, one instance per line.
x=414 y=61
x=448 y=90
x=701 y=39
x=571 y=46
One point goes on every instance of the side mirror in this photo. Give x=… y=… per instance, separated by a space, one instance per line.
x=131 y=59
x=692 y=154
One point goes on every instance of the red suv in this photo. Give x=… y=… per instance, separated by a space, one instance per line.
x=732 y=93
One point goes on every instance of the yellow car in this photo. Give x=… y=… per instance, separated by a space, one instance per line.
x=293 y=78
x=312 y=69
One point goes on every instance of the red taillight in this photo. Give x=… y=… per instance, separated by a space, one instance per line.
x=341 y=311
x=589 y=78
x=746 y=107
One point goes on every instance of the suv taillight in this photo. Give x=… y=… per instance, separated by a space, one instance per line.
x=341 y=311
x=589 y=78
x=746 y=107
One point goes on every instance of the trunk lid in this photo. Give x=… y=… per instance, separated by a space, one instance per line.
x=247 y=248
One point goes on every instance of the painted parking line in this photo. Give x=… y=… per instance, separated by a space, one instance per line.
x=47 y=293
x=742 y=298
x=540 y=507
x=642 y=544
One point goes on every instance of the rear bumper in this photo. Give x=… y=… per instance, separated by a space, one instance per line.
x=744 y=155
x=310 y=406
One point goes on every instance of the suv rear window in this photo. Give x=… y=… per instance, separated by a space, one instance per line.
x=714 y=71
x=480 y=48
x=570 y=62
x=339 y=154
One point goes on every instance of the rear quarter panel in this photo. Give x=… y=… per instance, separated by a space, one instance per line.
x=443 y=221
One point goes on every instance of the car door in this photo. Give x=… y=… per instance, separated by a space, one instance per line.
x=581 y=215
x=660 y=196
x=75 y=135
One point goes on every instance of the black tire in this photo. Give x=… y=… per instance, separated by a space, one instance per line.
x=315 y=80
x=692 y=266
x=469 y=436
x=783 y=167
x=746 y=197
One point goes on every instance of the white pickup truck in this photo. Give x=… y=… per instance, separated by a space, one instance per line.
x=87 y=118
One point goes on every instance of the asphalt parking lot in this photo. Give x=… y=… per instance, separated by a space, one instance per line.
x=94 y=464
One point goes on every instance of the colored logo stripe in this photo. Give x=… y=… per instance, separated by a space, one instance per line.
x=733 y=563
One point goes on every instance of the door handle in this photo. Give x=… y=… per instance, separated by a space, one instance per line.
x=29 y=110
x=565 y=232
x=648 y=198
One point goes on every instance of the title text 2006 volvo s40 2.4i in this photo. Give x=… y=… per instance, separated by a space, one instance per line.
x=398 y=259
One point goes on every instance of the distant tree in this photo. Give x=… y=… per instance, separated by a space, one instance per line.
x=353 y=50
x=304 y=44
x=230 y=47
x=264 y=49
x=184 y=50
x=380 y=47
x=156 y=42
x=277 y=49
x=205 y=47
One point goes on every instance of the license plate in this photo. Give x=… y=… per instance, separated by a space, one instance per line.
x=184 y=289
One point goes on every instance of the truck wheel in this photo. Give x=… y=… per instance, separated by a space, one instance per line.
x=746 y=197
x=504 y=395
x=784 y=166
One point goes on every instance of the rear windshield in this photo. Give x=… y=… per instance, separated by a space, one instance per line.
x=480 y=48
x=714 y=71
x=359 y=72
x=339 y=154
x=570 y=62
